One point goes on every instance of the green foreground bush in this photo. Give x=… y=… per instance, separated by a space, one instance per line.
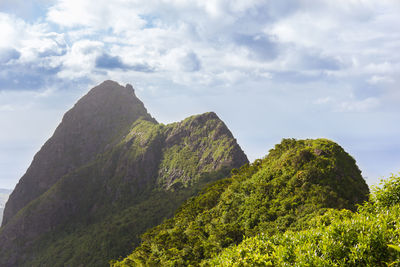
x=368 y=237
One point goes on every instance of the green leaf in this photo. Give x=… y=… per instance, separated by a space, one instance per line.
x=394 y=247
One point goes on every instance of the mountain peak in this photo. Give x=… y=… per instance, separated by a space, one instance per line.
x=96 y=122
x=111 y=95
x=130 y=87
x=113 y=87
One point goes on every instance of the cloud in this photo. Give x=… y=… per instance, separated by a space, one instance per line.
x=141 y=67
x=319 y=62
x=29 y=54
x=79 y=60
x=27 y=77
x=106 y=61
x=272 y=57
x=359 y=105
x=259 y=47
x=290 y=41
x=377 y=79
x=8 y=54
x=280 y=38
x=34 y=51
x=190 y=62
x=27 y=9
x=118 y=15
x=54 y=45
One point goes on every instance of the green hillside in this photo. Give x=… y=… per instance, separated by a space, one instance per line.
x=297 y=181
x=368 y=237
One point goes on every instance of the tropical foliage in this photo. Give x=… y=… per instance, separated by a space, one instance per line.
x=297 y=181
x=368 y=237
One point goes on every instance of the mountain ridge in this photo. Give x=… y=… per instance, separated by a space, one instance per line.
x=297 y=181
x=95 y=197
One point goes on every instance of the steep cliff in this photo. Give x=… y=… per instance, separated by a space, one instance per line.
x=108 y=173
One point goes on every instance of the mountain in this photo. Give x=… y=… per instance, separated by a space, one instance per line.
x=96 y=122
x=4 y=194
x=109 y=172
x=297 y=181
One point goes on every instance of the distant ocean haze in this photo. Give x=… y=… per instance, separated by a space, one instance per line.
x=4 y=194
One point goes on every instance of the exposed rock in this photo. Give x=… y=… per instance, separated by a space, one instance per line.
x=319 y=152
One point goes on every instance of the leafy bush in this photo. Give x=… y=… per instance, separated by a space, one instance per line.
x=337 y=238
x=388 y=194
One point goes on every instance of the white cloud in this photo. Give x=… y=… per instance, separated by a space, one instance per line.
x=381 y=67
x=118 y=15
x=229 y=36
x=364 y=105
x=29 y=53
x=32 y=40
x=11 y=28
x=276 y=59
x=296 y=42
x=79 y=61
x=376 y=79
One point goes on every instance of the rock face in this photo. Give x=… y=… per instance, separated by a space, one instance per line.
x=108 y=173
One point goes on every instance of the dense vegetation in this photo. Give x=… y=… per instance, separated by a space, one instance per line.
x=368 y=237
x=297 y=181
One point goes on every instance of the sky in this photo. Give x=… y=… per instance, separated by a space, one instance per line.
x=269 y=69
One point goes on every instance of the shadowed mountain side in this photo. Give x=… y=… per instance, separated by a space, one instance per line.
x=137 y=176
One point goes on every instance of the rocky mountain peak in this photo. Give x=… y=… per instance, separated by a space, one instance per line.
x=110 y=89
x=96 y=122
